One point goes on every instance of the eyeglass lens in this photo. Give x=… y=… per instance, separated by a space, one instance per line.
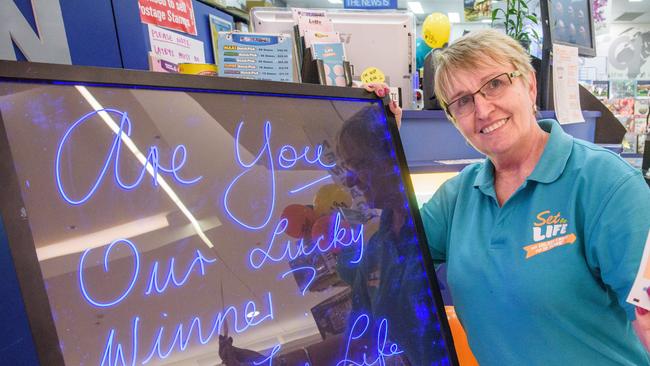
x=492 y=89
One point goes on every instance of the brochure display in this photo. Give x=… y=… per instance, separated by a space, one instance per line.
x=333 y=57
x=157 y=219
x=256 y=56
x=385 y=40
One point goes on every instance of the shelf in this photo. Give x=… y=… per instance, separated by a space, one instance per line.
x=239 y=14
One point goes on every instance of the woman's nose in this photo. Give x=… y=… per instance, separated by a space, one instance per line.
x=482 y=106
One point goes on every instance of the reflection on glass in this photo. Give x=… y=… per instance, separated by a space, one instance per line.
x=186 y=227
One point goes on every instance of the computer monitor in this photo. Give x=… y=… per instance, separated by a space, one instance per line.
x=162 y=219
x=566 y=22
x=382 y=39
x=569 y=22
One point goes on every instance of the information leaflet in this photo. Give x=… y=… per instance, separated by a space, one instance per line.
x=256 y=56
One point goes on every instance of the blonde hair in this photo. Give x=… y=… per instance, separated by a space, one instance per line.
x=478 y=49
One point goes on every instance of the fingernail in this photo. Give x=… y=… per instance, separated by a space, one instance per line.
x=641 y=311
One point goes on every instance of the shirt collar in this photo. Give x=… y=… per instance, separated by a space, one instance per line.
x=550 y=165
x=556 y=153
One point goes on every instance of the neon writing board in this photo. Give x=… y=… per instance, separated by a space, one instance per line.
x=176 y=219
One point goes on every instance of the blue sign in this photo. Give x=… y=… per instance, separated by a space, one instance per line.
x=370 y=4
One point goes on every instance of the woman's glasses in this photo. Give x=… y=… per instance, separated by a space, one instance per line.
x=492 y=89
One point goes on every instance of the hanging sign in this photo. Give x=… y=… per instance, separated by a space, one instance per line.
x=172 y=14
x=370 y=4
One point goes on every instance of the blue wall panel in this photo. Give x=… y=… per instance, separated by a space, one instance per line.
x=90 y=31
x=16 y=343
x=109 y=33
x=134 y=37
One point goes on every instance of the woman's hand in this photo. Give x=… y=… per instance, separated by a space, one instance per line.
x=381 y=90
x=642 y=325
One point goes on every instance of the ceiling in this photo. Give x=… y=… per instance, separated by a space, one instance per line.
x=618 y=8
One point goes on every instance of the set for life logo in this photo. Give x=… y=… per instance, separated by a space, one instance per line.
x=549 y=232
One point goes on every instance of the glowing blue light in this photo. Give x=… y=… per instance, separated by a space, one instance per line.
x=382 y=339
x=152 y=158
x=313 y=276
x=119 y=352
x=287 y=158
x=57 y=162
x=134 y=276
x=108 y=352
x=266 y=147
x=182 y=338
x=257 y=257
x=375 y=103
x=296 y=190
x=290 y=162
x=269 y=359
x=175 y=168
x=153 y=280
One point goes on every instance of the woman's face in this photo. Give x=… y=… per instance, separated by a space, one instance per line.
x=497 y=126
x=372 y=172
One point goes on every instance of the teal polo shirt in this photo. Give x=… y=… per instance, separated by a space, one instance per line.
x=543 y=279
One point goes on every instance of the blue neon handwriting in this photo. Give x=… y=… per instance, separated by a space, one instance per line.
x=164 y=343
x=305 y=186
x=287 y=157
x=178 y=159
x=358 y=330
x=153 y=279
x=269 y=358
x=259 y=256
x=199 y=260
x=111 y=357
x=312 y=272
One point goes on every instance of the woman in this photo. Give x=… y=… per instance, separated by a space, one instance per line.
x=543 y=239
x=389 y=282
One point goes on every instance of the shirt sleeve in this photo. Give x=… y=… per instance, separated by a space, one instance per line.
x=436 y=218
x=616 y=235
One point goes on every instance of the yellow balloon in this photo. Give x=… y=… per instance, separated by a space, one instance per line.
x=329 y=197
x=436 y=29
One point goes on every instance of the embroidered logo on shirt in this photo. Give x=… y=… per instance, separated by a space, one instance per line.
x=549 y=231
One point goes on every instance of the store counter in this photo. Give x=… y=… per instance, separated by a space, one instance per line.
x=432 y=143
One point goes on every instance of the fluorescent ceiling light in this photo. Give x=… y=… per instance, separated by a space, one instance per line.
x=416 y=7
x=102 y=237
x=335 y=1
x=454 y=17
x=635 y=1
x=486 y=21
x=114 y=126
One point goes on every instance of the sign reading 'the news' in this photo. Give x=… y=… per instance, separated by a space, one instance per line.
x=370 y=4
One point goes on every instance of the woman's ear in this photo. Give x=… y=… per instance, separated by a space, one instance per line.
x=532 y=87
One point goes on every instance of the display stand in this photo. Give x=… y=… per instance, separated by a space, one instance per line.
x=313 y=71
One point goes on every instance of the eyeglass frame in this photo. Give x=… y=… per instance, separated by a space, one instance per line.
x=510 y=76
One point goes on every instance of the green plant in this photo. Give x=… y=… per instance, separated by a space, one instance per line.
x=514 y=17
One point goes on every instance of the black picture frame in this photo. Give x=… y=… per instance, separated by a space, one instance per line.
x=16 y=220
